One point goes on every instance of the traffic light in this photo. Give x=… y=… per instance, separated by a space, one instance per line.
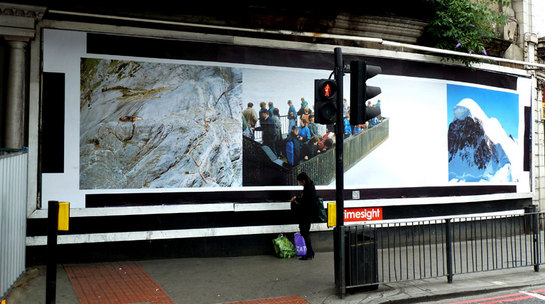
x=360 y=92
x=325 y=101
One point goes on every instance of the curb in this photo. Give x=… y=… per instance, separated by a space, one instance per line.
x=443 y=296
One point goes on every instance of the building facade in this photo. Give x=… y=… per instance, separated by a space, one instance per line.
x=136 y=118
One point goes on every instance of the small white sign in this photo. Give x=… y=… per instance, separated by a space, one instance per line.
x=355 y=195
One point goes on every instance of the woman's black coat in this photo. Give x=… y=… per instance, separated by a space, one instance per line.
x=306 y=207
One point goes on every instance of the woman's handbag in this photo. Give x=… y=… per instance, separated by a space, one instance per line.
x=321 y=214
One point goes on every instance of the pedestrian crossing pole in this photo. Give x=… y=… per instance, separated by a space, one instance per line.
x=339 y=254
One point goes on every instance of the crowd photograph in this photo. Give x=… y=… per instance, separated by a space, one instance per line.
x=294 y=136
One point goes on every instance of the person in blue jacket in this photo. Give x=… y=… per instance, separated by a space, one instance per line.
x=347 y=127
x=271 y=108
x=304 y=132
x=296 y=146
x=292 y=115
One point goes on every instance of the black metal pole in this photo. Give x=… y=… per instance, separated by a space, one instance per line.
x=339 y=176
x=450 y=273
x=51 y=270
x=535 y=234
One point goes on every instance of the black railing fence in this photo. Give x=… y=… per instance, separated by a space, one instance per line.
x=413 y=250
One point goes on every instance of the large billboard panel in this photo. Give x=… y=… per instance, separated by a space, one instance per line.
x=147 y=124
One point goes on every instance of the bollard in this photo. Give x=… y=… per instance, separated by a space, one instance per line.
x=531 y=226
x=58 y=214
x=340 y=270
x=450 y=273
x=535 y=232
x=51 y=268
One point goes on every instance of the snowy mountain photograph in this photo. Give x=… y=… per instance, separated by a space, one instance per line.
x=159 y=125
x=482 y=134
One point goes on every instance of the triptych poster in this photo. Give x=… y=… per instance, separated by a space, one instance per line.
x=149 y=124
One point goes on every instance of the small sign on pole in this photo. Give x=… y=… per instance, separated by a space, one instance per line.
x=331 y=215
x=64 y=215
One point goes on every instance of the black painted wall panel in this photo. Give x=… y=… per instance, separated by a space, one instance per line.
x=52 y=131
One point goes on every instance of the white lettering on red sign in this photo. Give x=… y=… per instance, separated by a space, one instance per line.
x=362 y=214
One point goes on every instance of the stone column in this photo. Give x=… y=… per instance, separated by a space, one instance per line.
x=18 y=28
x=539 y=145
x=15 y=101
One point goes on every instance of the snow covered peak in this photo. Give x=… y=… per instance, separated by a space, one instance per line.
x=491 y=126
x=468 y=107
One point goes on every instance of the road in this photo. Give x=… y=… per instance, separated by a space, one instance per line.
x=529 y=295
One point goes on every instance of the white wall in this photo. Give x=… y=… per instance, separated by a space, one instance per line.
x=538 y=17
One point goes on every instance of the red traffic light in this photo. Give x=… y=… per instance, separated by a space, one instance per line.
x=328 y=89
x=325 y=101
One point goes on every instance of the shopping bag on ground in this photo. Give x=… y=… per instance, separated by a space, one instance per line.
x=284 y=248
x=300 y=245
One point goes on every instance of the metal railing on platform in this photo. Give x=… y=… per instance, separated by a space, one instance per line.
x=414 y=250
x=13 y=194
x=284 y=122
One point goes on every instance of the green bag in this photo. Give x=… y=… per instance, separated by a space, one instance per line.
x=284 y=248
x=321 y=214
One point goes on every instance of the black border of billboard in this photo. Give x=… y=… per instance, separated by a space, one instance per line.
x=283 y=195
x=227 y=53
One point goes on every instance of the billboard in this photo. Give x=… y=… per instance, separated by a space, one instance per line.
x=149 y=124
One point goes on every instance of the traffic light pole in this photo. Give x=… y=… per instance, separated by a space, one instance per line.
x=340 y=277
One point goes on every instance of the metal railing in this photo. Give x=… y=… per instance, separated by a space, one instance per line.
x=414 y=250
x=261 y=169
x=13 y=194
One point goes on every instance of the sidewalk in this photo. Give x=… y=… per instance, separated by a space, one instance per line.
x=242 y=279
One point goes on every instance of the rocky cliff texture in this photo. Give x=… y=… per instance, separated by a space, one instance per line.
x=157 y=125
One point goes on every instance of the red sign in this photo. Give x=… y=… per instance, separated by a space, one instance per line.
x=362 y=214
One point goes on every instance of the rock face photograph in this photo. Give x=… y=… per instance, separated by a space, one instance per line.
x=159 y=125
x=483 y=148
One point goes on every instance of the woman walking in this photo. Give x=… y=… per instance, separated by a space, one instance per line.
x=305 y=206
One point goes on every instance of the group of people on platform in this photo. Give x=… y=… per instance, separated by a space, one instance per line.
x=305 y=139
x=353 y=130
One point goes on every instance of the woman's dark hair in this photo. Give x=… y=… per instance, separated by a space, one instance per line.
x=304 y=177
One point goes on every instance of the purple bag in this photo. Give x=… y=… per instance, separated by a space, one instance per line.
x=299 y=242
